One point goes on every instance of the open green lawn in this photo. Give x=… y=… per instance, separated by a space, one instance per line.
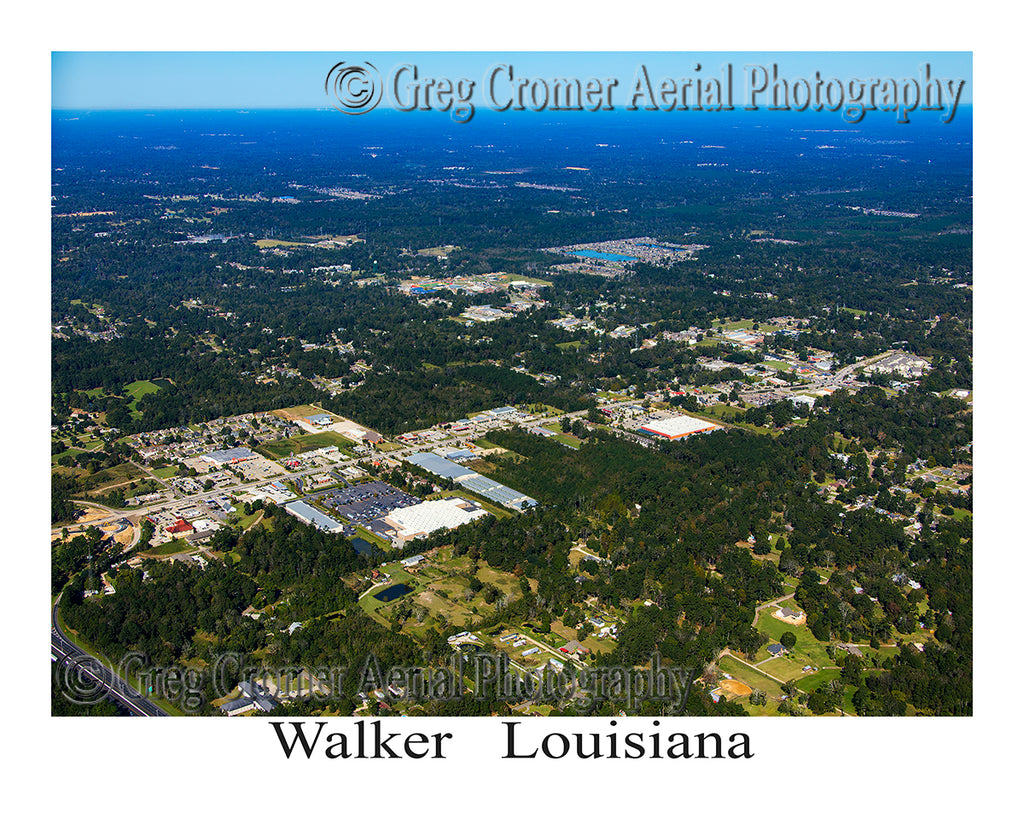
x=814 y=681
x=113 y=476
x=503 y=581
x=807 y=651
x=73 y=452
x=563 y=437
x=723 y=412
x=246 y=521
x=135 y=391
x=174 y=547
x=304 y=443
x=544 y=409
x=787 y=668
x=373 y=538
x=165 y=472
x=751 y=676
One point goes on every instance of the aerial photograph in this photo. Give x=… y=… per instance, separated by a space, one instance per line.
x=454 y=384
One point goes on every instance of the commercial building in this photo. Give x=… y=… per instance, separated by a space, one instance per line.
x=473 y=481
x=498 y=492
x=179 y=527
x=457 y=455
x=677 y=426
x=430 y=516
x=229 y=456
x=254 y=697
x=314 y=517
x=439 y=466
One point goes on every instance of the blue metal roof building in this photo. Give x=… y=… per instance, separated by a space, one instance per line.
x=439 y=466
x=473 y=481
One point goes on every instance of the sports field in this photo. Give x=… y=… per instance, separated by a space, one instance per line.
x=735 y=688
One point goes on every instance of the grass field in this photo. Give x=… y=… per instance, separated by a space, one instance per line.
x=279 y=243
x=136 y=390
x=174 y=547
x=247 y=520
x=563 y=437
x=723 y=412
x=304 y=443
x=562 y=634
x=375 y=539
x=73 y=452
x=301 y=411
x=112 y=477
x=807 y=651
x=814 y=681
x=440 y=587
x=751 y=676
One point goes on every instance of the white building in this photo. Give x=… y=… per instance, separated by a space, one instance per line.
x=423 y=518
x=677 y=427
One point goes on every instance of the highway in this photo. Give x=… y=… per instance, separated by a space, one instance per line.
x=91 y=679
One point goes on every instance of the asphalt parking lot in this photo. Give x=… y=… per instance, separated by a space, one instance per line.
x=366 y=502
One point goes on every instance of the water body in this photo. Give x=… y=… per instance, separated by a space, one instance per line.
x=392 y=592
x=609 y=257
x=361 y=545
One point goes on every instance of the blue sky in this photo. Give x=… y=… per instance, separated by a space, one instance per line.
x=150 y=80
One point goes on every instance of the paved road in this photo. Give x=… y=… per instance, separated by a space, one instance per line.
x=91 y=677
x=856 y=365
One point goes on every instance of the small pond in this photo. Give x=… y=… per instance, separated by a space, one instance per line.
x=392 y=592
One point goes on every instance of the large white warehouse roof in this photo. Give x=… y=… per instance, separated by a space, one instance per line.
x=429 y=516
